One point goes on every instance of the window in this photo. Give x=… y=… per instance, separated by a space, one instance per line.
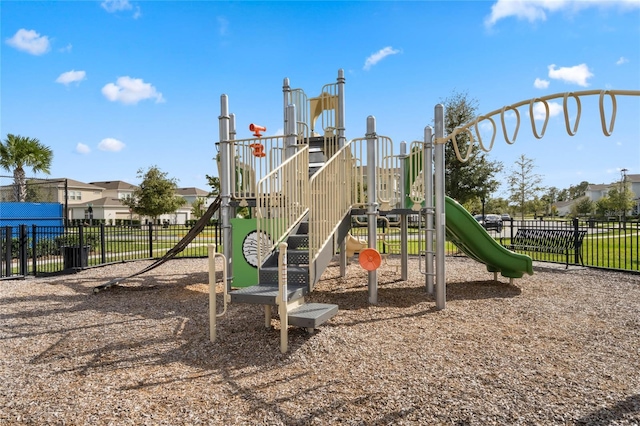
x=75 y=195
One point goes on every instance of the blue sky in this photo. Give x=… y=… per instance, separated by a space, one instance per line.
x=115 y=86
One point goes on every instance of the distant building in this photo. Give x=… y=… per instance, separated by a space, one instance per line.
x=597 y=192
x=102 y=200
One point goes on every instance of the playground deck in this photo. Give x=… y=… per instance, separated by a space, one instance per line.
x=559 y=347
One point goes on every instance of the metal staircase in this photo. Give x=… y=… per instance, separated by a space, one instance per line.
x=300 y=280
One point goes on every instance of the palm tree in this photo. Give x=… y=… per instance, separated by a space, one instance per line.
x=18 y=152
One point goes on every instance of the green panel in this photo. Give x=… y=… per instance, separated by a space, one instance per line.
x=245 y=244
x=245 y=273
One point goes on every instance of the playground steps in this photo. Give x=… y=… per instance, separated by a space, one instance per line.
x=306 y=315
x=317 y=156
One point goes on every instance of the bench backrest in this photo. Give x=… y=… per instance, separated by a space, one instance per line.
x=552 y=238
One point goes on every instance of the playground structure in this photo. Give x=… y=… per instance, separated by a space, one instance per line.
x=304 y=187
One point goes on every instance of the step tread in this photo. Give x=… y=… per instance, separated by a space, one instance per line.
x=266 y=293
x=311 y=315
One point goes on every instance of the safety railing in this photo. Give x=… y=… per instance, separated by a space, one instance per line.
x=253 y=159
x=282 y=201
x=331 y=195
x=387 y=170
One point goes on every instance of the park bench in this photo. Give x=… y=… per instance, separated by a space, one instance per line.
x=561 y=241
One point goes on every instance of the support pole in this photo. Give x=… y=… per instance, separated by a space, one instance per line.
x=290 y=132
x=372 y=205
x=340 y=114
x=225 y=189
x=340 y=127
x=427 y=175
x=283 y=301
x=404 y=230
x=441 y=289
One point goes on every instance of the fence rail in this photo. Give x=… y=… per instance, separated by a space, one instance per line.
x=46 y=250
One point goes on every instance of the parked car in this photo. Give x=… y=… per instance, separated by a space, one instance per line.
x=505 y=216
x=490 y=221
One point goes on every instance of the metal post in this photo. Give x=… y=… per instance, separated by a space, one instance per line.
x=372 y=205
x=290 y=132
x=404 y=231
x=427 y=176
x=211 y=249
x=441 y=289
x=340 y=127
x=225 y=189
x=340 y=114
x=283 y=302
x=286 y=91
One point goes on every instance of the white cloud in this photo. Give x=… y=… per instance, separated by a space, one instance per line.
x=110 y=144
x=131 y=91
x=537 y=10
x=71 y=76
x=66 y=49
x=30 y=42
x=622 y=60
x=378 y=56
x=112 y=6
x=539 y=111
x=82 y=148
x=540 y=83
x=577 y=74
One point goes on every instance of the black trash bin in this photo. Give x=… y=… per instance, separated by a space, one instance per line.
x=75 y=256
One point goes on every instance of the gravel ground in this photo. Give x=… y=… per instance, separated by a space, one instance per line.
x=556 y=348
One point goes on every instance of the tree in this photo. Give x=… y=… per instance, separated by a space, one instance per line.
x=197 y=208
x=214 y=183
x=618 y=200
x=155 y=196
x=584 y=207
x=524 y=184
x=18 y=152
x=476 y=177
x=579 y=190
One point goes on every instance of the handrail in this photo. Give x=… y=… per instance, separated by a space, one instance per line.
x=607 y=128
x=281 y=201
x=252 y=159
x=331 y=195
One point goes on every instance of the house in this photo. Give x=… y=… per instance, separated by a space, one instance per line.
x=103 y=200
x=597 y=192
x=563 y=208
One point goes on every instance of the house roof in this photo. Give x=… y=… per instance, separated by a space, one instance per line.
x=75 y=184
x=561 y=204
x=598 y=187
x=115 y=184
x=192 y=191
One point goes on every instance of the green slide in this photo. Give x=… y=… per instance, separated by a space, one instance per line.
x=473 y=240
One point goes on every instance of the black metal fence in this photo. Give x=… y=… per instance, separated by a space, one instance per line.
x=607 y=244
x=47 y=250
x=43 y=250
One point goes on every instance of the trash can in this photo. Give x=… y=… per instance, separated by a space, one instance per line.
x=75 y=256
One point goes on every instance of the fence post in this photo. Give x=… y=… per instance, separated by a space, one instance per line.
x=34 y=255
x=576 y=255
x=23 y=250
x=8 y=234
x=103 y=245
x=151 y=239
